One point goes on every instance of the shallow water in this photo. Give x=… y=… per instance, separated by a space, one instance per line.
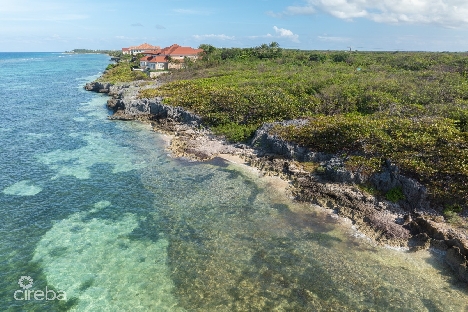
x=97 y=211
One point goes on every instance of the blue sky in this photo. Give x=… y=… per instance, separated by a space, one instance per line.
x=59 y=25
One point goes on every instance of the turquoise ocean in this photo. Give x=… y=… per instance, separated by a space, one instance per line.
x=95 y=216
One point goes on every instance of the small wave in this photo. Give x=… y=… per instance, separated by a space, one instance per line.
x=21 y=60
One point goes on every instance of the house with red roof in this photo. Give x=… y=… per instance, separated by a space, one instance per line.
x=158 y=62
x=142 y=48
x=169 y=57
x=178 y=54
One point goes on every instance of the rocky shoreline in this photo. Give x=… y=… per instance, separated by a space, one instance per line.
x=316 y=177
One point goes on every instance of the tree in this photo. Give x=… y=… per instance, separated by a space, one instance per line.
x=208 y=49
x=268 y=51
x=274 y=44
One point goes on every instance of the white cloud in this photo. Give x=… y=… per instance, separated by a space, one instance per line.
x=286 y=33
x=333 y=39
x=294 y=10
x=280 y=33
x=263 y=36
x=448 y=13
x=213 y=36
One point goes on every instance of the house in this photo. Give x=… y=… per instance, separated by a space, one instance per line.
x=144 y=61
x=154 y=62
x=169 y=57
x=142 y=48
x=177 y=55
x=158 y=62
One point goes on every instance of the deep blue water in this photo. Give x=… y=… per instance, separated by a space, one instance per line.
x=95 y=210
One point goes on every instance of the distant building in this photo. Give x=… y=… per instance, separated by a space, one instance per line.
x=142 y=48
x=169 y=57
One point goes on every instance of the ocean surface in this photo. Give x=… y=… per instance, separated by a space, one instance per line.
x=94 y=216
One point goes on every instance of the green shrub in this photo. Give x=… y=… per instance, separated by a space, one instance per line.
x=364 y=165
x=235 y=132
x=395 y=194
x=318 y=57
x=452 y=217
x=110 y=66
x=122 y=72
x=340 y=57
x=369 y=189
x=455 y=208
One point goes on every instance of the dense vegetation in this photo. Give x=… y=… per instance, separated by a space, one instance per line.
x=123 y=71
x=409 y=107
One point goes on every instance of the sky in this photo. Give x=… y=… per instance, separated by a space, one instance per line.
x=364 y=25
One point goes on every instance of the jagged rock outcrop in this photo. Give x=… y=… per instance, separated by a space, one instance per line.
x=271 y=143
x=101 y=87
x=126 y=105
x=415 y=193
x=334 y=168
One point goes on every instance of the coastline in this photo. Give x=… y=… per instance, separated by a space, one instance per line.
x=332 y=187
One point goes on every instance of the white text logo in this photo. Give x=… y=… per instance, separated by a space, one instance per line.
x=26 y=282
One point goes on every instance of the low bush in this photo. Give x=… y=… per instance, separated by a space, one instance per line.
x=122 y=72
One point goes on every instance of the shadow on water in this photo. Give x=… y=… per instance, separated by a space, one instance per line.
x=437 y=261
x=430 y=305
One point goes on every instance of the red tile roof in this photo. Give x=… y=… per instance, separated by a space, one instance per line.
x=146 y=58
x=185 y=51
x=176 y=49
x=145 y=46
x=158 y=59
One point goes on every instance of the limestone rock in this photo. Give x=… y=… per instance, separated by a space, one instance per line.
x=98 y=87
